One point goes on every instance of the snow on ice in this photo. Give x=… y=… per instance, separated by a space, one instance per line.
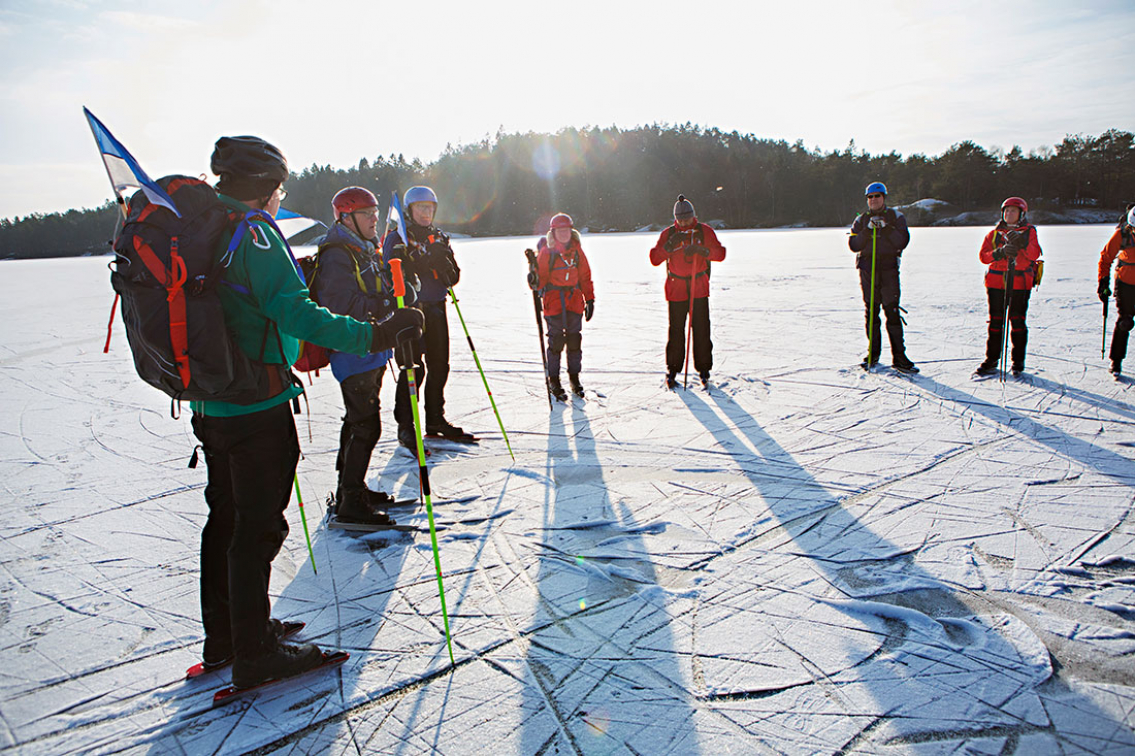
x=803 y=559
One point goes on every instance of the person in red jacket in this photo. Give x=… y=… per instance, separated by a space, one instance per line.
x=1121 y=245
x=564 y=276
x=1011 y=251
x=687 y=248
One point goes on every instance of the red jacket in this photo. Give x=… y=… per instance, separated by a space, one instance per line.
x=684 y=265
x=1024 y=264
x=565 y=276
x=1124 y=249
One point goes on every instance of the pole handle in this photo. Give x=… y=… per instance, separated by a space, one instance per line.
x=396 y=274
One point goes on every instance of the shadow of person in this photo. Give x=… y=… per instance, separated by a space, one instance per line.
x=602 y=671
x=812 y=611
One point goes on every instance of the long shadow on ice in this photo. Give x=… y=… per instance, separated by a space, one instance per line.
x=868 y=648
x=603 y=675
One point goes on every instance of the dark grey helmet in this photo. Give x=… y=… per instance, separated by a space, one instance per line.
x=249 y=157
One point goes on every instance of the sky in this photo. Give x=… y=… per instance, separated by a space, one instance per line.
x=336 y=81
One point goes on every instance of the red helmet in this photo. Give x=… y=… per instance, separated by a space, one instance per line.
x=560 y=220
x=1016 y=202
x=351 y=199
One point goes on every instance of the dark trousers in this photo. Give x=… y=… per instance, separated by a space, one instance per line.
x=1125 y=304
x=1018 y=330
x=887 y=297
x=252 y=462
x=431 y=368
x=362 y=425
x=565 y=330
x=676 y=338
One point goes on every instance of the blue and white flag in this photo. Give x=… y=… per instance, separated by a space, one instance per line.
x=294 y=224
x=123 y=169
x=395 y=216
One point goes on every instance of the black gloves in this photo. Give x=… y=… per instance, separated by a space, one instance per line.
x=533 y=280
x=699 y=251
x=403 y=325
x=672 y=241
x=1018 y=239
x=588 y=309
x=1001 y=253
x=1104 y=290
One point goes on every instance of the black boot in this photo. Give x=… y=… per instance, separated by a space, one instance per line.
x=408 y=438
x=901 y=363
x=1117 y=367
x=704 y=375
x=576 y=386
x=444 y=429
x=278 y=661
x=671 y=380
x=987 y=368
x=358 y=506
x=556 y=388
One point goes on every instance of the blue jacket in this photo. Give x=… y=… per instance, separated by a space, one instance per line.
x=350 y=280
x=428 y=256
x=889 y=241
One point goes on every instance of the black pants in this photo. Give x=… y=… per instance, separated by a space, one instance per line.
x=565 y=330
x=886 y=296
x=676 y=339
x=252 y=462
x=1125 y=304
x=431 y=373
x=362 y=425
x=1018 y=329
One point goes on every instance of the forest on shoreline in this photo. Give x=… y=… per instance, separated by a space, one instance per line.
x=611 y=179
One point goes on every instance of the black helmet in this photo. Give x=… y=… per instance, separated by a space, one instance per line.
x=249 y=157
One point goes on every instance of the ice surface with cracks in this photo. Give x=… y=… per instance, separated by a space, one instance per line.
x=803 y=559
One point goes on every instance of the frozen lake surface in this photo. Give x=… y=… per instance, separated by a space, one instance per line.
x=804 y=559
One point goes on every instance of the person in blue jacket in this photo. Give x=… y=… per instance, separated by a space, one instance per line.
x=878 y=237
x=350 y=279
x=428 y=255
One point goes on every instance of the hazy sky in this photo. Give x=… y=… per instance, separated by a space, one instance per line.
x=330 y=82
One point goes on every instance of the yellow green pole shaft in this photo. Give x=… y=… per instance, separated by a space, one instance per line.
x=423 y=471
x=480 y=370
x=303 y=519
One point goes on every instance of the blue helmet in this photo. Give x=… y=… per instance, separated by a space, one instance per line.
x=419 y=194
x=876 y=187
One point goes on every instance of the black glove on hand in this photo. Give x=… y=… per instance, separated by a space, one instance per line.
x=588 y=309
x=533 y=280
x=1018 y=239
x=403 y=325
x=700 y=251
x=447 y=271
x=672 y=241
x=1104 y=290
x=1001 y=253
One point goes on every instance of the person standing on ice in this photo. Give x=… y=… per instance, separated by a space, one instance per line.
x=350 y=279
x=1121 y=245
x=687 y=248
x=1011 y=251
x=251 y=450
x=564 y=276
x=878 y=237
x=428 y=255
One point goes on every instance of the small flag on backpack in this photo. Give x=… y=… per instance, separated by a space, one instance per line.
x=122 y=169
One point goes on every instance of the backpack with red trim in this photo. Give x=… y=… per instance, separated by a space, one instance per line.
x=312 y=356
x=166 y=271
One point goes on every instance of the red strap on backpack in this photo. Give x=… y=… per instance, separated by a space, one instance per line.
x=174 y=282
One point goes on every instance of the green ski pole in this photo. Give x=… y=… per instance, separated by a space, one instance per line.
x=484 y=380
x=303 y=519
x=423 y=472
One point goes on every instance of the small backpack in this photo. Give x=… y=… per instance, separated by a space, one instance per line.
x=166 y=271
x=312 y=356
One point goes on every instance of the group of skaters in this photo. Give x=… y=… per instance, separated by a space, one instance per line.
x=1012 y=252
x=349 y=307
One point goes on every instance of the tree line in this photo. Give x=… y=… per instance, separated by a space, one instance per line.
x=611 y=179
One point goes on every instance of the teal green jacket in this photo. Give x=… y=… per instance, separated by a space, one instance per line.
x=268 y=310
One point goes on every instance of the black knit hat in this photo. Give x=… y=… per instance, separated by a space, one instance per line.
x=683 y=208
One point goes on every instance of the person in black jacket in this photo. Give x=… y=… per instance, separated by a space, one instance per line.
x=879 y=237
x=428 y=255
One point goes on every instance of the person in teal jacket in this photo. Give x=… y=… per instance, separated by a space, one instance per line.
x=252 y=449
